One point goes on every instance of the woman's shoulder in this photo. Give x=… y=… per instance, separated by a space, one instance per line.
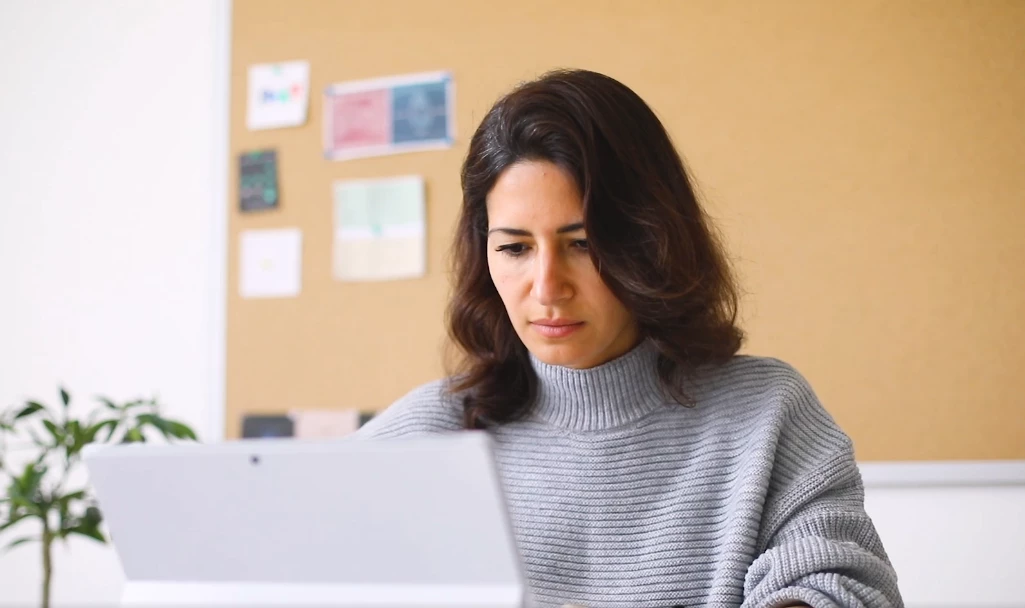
x=767 y=399
x=754 y=377
x=426 y=409
x=765 y=389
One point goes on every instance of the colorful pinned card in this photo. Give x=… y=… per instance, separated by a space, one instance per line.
x=258 y=180
x=380 y=231
x=389 y=115
x=279 y=95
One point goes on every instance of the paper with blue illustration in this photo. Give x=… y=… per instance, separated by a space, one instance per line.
x=380 y=231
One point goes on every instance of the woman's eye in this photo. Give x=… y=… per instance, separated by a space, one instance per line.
x=580 y=244
x=512 y=249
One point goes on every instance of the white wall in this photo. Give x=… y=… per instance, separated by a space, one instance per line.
x=110 y=260
x=956 y=547
x=111 y=271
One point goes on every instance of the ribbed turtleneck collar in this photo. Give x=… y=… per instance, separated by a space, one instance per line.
x=609 y=395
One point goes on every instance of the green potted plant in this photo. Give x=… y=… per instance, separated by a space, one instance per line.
x=41 y=491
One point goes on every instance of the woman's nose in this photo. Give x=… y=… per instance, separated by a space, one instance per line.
x=551 y=280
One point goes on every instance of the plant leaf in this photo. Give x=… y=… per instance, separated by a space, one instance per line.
x=7 y=524
x=55 y=431
x=30 y=408
x=65 y=398
x=156 y=422
x=28 y=481
x=133 y=436
x=32 y=507
x=27 y=504
x=20 y=541
x=67 y=498
x=110 y=404
x=74 y=428
x=180 y=430
x=85 y=530
x=93 y=516
x=169 y=428
x=90 y=433
x=113 y=429
x=91 y=418
x=18 y=498
x=64 y=518
x=24 y=489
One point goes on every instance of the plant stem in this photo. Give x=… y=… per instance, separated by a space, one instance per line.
x=47 y=563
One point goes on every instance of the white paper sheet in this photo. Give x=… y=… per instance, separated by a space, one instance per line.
x=279 y=95
x=380 y=231
x=270 y=263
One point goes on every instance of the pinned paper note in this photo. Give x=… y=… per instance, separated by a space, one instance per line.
x=258 y=180
x=270 y=263
x=389 y=115
x=267 y=426
x=379 y=229
x=279 y=95
x=324 y=424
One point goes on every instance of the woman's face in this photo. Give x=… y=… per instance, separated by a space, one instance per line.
x=538 y=259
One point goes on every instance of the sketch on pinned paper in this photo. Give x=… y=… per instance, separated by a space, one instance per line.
x=380 y=231
x=270 y=263
x=389 y=115
x=279 y=95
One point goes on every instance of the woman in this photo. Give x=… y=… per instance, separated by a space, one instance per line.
x=644 y=461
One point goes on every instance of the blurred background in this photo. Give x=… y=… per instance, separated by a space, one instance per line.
x=864 y=160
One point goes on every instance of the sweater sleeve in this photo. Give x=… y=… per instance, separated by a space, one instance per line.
x=818 y=544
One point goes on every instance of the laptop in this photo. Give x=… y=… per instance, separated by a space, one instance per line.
x=399 y=523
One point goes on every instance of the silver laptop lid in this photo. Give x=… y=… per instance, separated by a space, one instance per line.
x=344 y=522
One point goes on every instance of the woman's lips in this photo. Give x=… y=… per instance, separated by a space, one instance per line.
x=556 y=328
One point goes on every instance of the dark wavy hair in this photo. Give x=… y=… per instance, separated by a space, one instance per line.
x=648 y=236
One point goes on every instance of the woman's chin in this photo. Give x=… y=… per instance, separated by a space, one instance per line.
x=566 y=353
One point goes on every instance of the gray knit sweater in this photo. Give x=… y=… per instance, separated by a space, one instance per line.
x=621 y=497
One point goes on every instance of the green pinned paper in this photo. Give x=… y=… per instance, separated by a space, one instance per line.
x=380 y=231
x=379 y=203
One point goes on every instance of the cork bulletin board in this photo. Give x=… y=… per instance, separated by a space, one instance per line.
x=865 y=162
